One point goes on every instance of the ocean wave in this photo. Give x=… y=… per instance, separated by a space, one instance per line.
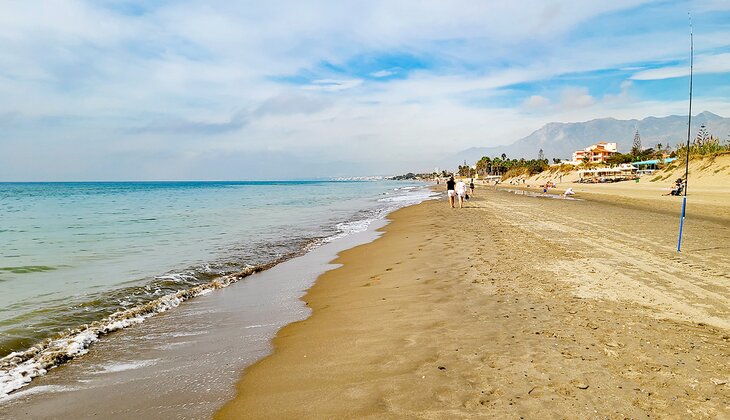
x=406 y=196
x=414 y=197
x=18 y=368
x=121 y=367
x=349 y=228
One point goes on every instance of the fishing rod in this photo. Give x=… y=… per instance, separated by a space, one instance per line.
x=689 y=130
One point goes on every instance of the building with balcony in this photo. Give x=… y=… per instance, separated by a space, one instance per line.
x=596 y=153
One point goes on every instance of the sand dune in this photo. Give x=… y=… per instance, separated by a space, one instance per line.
x=708 y=190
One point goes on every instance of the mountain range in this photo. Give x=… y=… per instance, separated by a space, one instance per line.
x=560 y=140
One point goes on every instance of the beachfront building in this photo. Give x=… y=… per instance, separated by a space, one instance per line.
x=622 y=172
x=649 y=166
x=596 y=153
x=578 y=156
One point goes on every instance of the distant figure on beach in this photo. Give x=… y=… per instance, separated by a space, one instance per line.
x=450 y=190
x=544 y=189
x=568 y=192
x=677 y=188
x=471 y=186
x=461 y=192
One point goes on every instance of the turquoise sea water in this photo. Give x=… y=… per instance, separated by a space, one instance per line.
x=75 y=253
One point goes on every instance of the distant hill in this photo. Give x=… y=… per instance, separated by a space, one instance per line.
x=560 y=140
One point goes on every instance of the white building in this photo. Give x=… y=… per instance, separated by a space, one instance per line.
x=597 y=153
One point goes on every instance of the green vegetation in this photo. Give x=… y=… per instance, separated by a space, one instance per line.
x=704 y=145
x=620 y=158
x=467 y=171
x=424 y=176
x=709 y=149
x=510 y=167
x=564 y=168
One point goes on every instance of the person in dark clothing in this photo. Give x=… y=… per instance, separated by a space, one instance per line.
x=677 y=188
x=450 y=190
x=471 y=186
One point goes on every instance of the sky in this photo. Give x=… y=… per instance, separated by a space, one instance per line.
x=225 y=90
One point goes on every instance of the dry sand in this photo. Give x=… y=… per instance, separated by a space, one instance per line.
x=512 y=307
x=708 y=192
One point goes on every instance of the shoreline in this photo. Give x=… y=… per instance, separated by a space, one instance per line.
x=161 y=369
x=20 y=366
x=125 y=357
x=403 y=328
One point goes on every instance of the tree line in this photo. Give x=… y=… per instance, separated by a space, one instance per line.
x=704 y=144
x=501 y=165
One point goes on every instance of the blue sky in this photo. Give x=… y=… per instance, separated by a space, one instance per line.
x=111 y=90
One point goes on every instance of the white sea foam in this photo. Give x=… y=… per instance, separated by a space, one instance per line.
x=405 y=196
x=178 y=277
x=413 y=197
x=185 y=334
x=121 y=367
x=356 y=226
x=19 y=368
x=259 y=326
x=169 y=346
x=36 y=390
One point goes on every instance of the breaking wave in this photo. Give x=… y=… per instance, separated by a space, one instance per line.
x=18 y=368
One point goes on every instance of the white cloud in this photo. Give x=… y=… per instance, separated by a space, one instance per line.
x=537 y=101
x=718 y=63
x=382 y=73
x=253 y=76
x=577 y=97
x=332 y=85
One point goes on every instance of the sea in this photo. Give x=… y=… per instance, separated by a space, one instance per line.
x=79 y=261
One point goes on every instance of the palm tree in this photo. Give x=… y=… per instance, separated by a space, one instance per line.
x=483 y=165
x=496 y=165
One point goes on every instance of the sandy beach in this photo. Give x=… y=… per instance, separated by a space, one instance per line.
x=708 y=191
x=513 y=307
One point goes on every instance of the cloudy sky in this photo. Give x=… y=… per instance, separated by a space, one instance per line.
x=125 y=90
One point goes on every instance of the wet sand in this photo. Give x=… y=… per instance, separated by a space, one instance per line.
x=183 y=363
x=512 y=307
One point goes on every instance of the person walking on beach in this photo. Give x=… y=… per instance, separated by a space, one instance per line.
x=450 y=190
x=461 y=192
x=471 y=186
